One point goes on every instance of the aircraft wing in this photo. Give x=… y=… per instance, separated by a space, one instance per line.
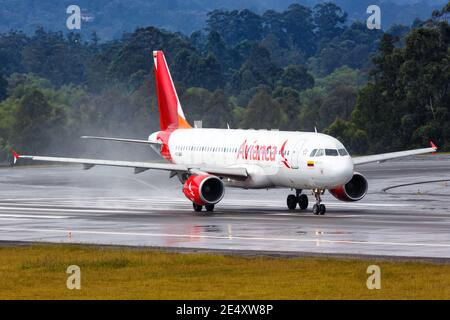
x=121 y=140
x=392 y=155
x=235 y=173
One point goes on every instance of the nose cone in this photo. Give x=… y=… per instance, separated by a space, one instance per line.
x=341 y=170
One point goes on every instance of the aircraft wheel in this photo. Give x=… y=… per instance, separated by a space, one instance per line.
x=303 y=201
x=316 y=209
x=197 y=207
x=291 y=201
x=209 y=207
x=322 y=209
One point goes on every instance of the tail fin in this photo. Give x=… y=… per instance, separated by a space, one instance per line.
x=171 y=115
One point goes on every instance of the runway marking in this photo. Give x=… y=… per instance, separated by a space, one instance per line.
x=251 y=218
x=195 y=236
x=362 y=204
x=84 y=199
x=414 y=183
x=309 y=215
x=87 y=210
x=4 y=215
x=184 y=201
x=410 y=168
x=59 y=210
x=79 y=207
x=175 y=207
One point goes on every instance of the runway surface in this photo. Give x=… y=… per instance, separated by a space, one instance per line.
x=113 y=206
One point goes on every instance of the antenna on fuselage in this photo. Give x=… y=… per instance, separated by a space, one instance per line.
x=315 y=129
x=228 y=126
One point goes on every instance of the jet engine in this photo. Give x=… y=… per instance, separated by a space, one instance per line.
x=204 y=189
x=354 y=190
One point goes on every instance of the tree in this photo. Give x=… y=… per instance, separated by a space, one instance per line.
x=11 y=46
x=351 y=48
x=332 y=97
x=338 y=103
x=311 y=101
x=50 y=55
x=131 y=57
x=258 y=69
x=299 y=24
x=235 y=26
x=274 y=25
x=228 y=59
x=218 y=113
x=296 y=77
x=3 y=88
x=407 y=101
x=289 y=101
x=330 y=20
x=33 y=116
x=263 y=112
x=349 y=134
x=195 y=103
x=195 y=71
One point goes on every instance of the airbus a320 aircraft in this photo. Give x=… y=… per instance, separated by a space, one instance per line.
x=207 y=161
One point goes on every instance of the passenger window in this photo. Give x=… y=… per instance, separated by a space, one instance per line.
x=320 y=153
x=343 y=152
x=313 y=153
x=331 y=152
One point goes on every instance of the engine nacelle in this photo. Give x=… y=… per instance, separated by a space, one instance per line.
x=354 y=190
x=204 y=189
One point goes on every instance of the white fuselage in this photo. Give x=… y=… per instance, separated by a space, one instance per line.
x=272 y=158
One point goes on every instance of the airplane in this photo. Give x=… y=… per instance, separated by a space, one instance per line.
x=207 y=161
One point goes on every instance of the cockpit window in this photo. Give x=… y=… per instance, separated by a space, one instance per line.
x=328 y=152
x=331 y=152
x=320 y=153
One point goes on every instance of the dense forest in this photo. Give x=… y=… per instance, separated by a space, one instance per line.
x=109 y=18
x=296 y=69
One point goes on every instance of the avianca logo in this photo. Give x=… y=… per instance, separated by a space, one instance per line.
x=284 y=160
x=260 y=152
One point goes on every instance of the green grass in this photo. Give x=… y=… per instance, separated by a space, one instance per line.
x=39 y=272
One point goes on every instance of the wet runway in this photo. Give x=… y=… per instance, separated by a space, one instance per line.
x=114 y=206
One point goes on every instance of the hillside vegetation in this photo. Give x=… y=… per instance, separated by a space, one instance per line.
x=296 y=69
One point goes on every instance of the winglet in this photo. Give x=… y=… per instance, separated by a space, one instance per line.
x=433 y=145
x=15 y=155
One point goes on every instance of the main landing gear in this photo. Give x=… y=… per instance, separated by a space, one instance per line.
x=198 y=208
x=318 y=207
x=298 y=198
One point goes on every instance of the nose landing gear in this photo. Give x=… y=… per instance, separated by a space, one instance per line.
x=319 y=208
